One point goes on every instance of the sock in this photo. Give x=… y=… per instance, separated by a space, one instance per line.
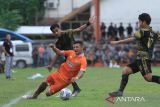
x=124 y=82
x=75 y=86
x=40 y=89
x=156 y=79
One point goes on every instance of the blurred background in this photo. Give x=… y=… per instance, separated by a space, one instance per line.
x=28 y=22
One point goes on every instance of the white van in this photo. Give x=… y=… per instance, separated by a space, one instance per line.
x=22 y=53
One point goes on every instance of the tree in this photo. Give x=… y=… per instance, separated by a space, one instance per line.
x=20 y=12
x=10 y=19
x=32 y=11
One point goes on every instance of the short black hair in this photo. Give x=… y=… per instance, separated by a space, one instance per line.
x=145 y=17
x=79 y=42
x=53 y=26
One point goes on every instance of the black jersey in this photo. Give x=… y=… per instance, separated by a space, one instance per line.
x=8 y=47
x=146 y=40
x=65 y=41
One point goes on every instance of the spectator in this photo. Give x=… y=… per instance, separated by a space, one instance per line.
x=111 y=30
x=136 y=27
x=103 y=30
x=35 y=57
x=8 y=49
x=1 y=62
x=115 y=31
x=41 y=52
x=46 y=56
x=99 y=62
x=129 y=30
x=121 y=31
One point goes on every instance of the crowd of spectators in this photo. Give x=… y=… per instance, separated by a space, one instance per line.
x=103 y=54
x=110 y=32
x=42 y=55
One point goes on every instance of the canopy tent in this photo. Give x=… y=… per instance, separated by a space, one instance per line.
x=14 y=35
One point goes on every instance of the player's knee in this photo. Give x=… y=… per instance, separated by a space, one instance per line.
x=126 y=71
x=148 y=78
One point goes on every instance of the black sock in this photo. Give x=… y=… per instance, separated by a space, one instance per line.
x=124 y=82
x=156 y=79
x=75 y=86
x=40 y=89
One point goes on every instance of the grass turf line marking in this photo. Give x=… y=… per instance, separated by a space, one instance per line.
x=15 y=100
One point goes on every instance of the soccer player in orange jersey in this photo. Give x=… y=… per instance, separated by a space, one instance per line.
x=70 y=71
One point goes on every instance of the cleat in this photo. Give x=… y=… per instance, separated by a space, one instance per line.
x=116 y=94
x=75 y=92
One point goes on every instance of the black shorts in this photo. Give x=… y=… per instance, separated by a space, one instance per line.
x=142 y=65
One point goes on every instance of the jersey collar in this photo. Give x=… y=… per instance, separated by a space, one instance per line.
x=80 y=55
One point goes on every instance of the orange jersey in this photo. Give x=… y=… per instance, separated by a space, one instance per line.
x=60 y=79
x=73 y=64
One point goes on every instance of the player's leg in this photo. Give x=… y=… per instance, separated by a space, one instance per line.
x=42 y=87
x=39 y=90
x=125 y=76
x=146 y=72
x=76 y=89
x=130 y=69
x=58 y=85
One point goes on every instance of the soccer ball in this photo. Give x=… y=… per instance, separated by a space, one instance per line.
x=65 y=94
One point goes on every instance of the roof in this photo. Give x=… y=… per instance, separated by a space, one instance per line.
x=35 y=30
x=15 y=35
x=75 y=12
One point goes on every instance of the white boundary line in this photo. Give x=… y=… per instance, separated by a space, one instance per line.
x=15 y=100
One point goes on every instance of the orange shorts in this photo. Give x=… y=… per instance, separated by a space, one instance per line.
x=56 y=82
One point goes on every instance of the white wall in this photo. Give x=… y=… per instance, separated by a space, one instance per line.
x=64 y=8
x=128 y=11
x=78 y=3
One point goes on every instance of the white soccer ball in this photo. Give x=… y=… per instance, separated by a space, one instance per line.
x=65 y=94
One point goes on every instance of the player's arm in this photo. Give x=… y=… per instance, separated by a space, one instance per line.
x=58 y=53
x=136 y=36
x=128 y=40
x=77 y=29
x=79 y=76
x=81 y=72
x=56 y=50
x=49 y=67
x=84 y=26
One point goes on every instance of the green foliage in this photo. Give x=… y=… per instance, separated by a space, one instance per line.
x=10 y=19
x=24 y=12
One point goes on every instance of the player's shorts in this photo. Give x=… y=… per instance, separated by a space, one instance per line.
x=142 y=65
x=56 y=82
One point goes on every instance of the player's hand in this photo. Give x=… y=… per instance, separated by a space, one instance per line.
x=49 y=67
x=114 y=42
x=74 y=79
x=92 y=19
x=51 y=45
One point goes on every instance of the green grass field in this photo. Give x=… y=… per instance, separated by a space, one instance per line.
x=95 y=86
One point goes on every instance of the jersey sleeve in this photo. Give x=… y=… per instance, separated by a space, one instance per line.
x=137 y=35
x=83 y=65
x=67 y=52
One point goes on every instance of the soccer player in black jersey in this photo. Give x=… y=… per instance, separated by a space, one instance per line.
x=64 y=42
x=146 y=39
